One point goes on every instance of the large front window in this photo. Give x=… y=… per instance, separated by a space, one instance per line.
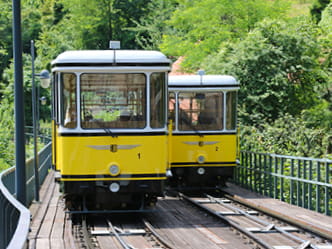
x=113 y=100
x=200 y=111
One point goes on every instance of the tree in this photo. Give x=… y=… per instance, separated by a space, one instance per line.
x=94 y=24
x=317 y=9
x=6 y=36
x=149 y=29
x=199 y=27
x=278 y=67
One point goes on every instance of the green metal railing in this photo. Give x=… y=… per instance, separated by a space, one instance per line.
x=301 y=181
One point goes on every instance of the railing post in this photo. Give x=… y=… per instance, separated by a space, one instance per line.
x=304 y=188
x=265 y=191
x=310 y=187
x=327 y=195
x=245 y=175
x=271 y=186
x=291 y=195
x=275 y=178
x=257 y=176
x=318 y=189
x=250 y=169
x=298 y=184
x=282 y=180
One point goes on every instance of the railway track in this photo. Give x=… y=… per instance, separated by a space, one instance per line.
x=263 y=230
x=204 y=221
x=119 y=232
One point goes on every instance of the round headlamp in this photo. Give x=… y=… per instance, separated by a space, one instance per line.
x=114 y=187
x=201 y=171
x=201 y=159
x=114 y=169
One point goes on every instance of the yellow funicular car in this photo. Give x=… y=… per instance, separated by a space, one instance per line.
x=109 y=128
x=204 y=138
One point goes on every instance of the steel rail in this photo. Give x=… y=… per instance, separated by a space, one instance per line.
x=160 y=239
x=123 y=243
x=228 y=221
x=86 y=234
x=264 y=223
x=279 y=216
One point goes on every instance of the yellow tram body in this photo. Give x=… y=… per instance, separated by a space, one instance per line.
x=203 y=140
x=110 y=142
x=217 y=150
x=130 y=153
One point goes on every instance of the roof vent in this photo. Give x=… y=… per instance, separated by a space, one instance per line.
x=115 y=45
x=201 y=73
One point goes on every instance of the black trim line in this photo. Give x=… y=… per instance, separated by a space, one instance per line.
x=201 y=164
x=110 y=64
x=109 y=176
x=114 y=134
x=200 y=133
x=195 y=87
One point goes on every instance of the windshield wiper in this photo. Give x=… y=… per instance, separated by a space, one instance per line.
x=190 y=124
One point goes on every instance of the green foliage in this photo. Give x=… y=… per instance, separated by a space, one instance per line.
x=5 y=34
x=150 y=29
x=94 y=23
x=319 y=116
x=199 y=27
x=277 y=65
x=326 y=38
x=284 y=66
x=317 y=9
x=287 y=136
x=107 y=116
x=6 y=133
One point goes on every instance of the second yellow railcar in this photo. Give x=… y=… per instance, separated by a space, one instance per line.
x=203 y=141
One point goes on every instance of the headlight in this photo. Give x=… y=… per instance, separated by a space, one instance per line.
x=201 y=171
x=201 y=159
x=114 y=169
x=114 y=187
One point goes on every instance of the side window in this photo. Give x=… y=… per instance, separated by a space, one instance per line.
x=171 y=107
x=157 y=100
x=54 y=85
x=231 y=100
x=68 y=108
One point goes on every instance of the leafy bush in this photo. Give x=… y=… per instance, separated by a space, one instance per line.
x=198 y=27
x=287 y=136
x=278 y=67
x=6 y=134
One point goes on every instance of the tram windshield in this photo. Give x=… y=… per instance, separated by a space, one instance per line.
x=203 y=111
x=200 y=111
x=116 y=100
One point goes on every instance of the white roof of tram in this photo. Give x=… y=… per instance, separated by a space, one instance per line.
x=107 y=56
x=204 y=80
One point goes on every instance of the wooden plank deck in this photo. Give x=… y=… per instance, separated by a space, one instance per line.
x=311 y=220
x=50 y=225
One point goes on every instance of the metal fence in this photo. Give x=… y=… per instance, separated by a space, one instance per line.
x=301 y=181
x=14 y=217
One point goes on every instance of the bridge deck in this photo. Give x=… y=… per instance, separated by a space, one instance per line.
x=50 y=226
x=313 y=221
